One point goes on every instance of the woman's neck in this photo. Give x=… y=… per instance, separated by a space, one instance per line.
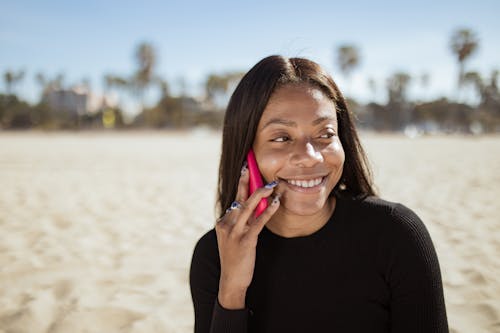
x=288 y=225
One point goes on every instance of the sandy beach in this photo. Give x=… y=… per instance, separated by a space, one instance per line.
x=97 y=229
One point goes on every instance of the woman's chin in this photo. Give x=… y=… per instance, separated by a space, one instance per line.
x=302 y=208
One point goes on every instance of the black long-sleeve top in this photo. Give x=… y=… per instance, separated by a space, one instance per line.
x=371 y=268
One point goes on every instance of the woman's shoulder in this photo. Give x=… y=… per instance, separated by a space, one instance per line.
x=205 y=257
x=399 y=230
x=207 y=243
x=373 y=204
x=388 y=214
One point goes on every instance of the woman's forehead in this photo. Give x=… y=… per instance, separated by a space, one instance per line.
x=299 y=101
x=297 y=89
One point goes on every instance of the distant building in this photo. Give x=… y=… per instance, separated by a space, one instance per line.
x=78 y=101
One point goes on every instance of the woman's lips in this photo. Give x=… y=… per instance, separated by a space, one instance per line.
x=296 y=188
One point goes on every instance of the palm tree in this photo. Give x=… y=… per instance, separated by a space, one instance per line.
x=397 y=86
x=214 y=85
x=487 y=90
x=218 y=86
x=164 y=88
x=113 y=81
x=41 y=80
x=12 y=78
x=47 y=84
x=145 y=56
x=475 y=80
x=463 y=43
x=348 y=59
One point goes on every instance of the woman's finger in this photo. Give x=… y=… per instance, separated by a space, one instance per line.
x=242 y=193
x=256 y=227
x=231 y=214
x=246 y=212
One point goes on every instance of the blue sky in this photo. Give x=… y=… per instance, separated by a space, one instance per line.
x=86 y=39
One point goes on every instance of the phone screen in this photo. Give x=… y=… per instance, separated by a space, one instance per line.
x=255 y=181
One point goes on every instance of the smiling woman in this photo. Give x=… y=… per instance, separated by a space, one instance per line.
x=297 y=143
x=327 y=254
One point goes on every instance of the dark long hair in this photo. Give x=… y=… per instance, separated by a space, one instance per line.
x=247 y=105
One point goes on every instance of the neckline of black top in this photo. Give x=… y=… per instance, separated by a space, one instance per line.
x=334 y=219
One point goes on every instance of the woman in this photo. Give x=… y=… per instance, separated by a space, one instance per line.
x=326 y=255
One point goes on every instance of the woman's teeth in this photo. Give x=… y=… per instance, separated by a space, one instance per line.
x=306 y=183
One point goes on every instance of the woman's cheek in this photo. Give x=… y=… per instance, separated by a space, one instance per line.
x=335 y=151
x=269 y=164
x=335 y=147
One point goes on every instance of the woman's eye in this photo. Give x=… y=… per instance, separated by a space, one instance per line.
x=281 y=139
x=328 y=135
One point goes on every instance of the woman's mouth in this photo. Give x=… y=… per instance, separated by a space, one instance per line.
x=310 y=185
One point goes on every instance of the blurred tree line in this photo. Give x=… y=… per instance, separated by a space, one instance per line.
x=64 y=107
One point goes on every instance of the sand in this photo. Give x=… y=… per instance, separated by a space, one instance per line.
x=97 y=229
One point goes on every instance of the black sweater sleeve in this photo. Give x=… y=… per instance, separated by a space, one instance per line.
x=204 y=276
x=417 y=301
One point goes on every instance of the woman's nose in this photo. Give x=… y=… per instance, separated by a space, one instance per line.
x=305 y=155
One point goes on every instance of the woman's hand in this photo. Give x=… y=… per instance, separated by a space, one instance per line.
x=237 y=234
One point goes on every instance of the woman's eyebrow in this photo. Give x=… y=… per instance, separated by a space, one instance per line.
x=280 y=121
x=322 y=119
x=290 y=123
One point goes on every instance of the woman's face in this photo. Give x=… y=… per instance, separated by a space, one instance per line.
x=297 y=143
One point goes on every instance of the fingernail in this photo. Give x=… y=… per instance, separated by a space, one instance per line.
x=244 y=168
x=276 y=199
x=271 y=184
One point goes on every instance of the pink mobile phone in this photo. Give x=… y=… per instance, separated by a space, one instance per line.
x=255 y=181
